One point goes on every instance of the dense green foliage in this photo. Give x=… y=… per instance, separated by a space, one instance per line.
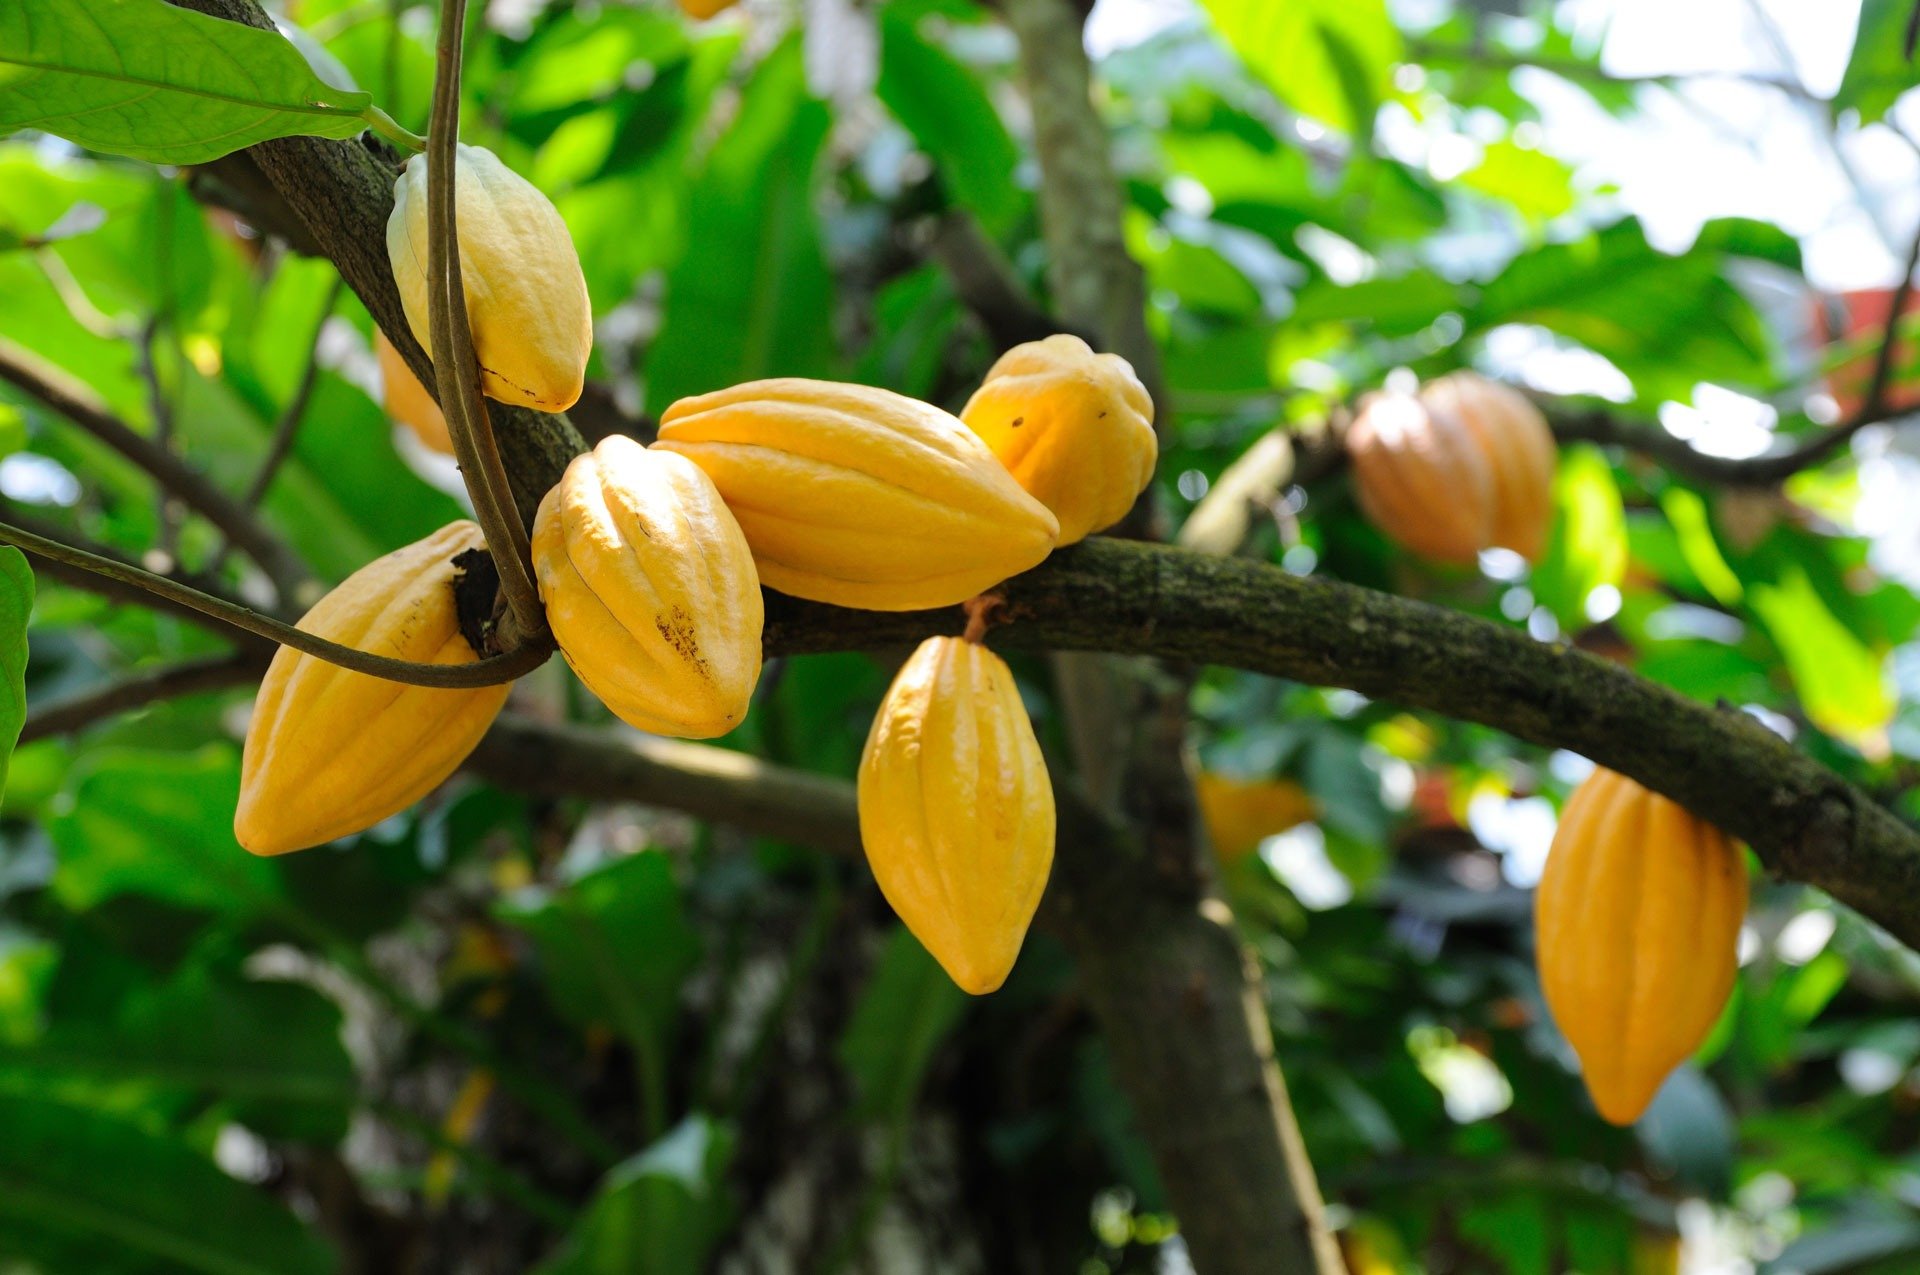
x=501 y=1033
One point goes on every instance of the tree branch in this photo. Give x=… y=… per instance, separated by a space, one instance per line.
x=702 y=780
x=59 y=392
x=1805 y=822
x=169 y=681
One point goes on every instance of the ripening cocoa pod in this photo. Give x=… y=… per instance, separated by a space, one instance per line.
x=860 y=496
x=650 y=589
x=1518 y=446
x=331 y=752
x=406 y=400
x=956 y=810
x=1637 y=932
x=705 y=8
x=526 y=298
x=1422 y=478
x=1241 y=813
x=1074 y=428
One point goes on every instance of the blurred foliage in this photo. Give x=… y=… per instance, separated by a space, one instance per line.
x=633 y=1044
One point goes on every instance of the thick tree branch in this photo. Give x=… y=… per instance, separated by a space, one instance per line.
x=59 y=392
x=1805 y=822
x=169 y=681
x=699 y=779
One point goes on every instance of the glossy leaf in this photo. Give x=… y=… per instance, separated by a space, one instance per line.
x=146 y=79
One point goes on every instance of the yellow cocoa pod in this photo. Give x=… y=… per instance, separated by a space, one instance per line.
x=1074 y=427
x=1239 y=814
x=332 y=752
x=860 y=496
x=1421 y=478
x=650 y=589
x=1637 y=930
x=1518 y=446
x=956 y=810
x=406 y=400
x=526 y=298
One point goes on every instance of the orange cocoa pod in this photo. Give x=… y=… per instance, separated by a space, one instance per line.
x=331 y=752
x=1637 y=931
x=406 y=400
x=1518 y=446
x=1239 y=813
x=1422 y=478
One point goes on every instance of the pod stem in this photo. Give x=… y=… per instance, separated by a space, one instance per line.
x=456 y=367
x=979 y=610
x=486 y=672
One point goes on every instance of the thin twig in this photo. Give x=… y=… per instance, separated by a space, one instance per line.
x=486 y=672
x=453 y=355
x=288 y=425
x=61 y=393
x=170 y=681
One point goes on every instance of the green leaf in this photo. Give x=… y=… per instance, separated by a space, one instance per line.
x=659 y=1213
x=1841 y=682
x=158 y=824
x=1329 y=59
x=1878 y=72
x=16 y=604
x=272 y=1048
x=1534 y=183
x=752 y=295
x=942 y=104
x=1589 y=544
x=902 y=1017
x=1693 y=531
x=159 y=83
x=75 y=1183
x=615 y=945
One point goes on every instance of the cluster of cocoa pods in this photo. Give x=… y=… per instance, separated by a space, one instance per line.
x=649 y=561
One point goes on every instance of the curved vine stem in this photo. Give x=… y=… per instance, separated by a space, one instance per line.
x=454 y=361
x=487 y=672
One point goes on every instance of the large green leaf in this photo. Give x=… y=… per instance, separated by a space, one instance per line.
x=1588 y=548
x=659 y=1213
x=146 y=79
x=950 y=115
x=1330 y=59
x=271 y=1048
x=614 y=945
x=16 y=604
x=752 y=296
x=1879 y=70
x=1841 y=682
x=75 y=1183
x=158 y=824
x=902 y=1017
x=1669 y=321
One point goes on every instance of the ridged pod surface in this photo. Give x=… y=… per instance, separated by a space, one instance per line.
x=1241 y=813
x=1518 y=446
x=1637 y=929
x=650 y=589
x=1073 y=427
x=406 y=400
x=1421 y=478
x=526 y=298
x=956 y=810
x=331 y=752
x=859 y=496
